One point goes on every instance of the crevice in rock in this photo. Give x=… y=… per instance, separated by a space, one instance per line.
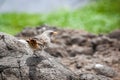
x=2 y=78
x=3 y=37
x=19 y=68
x=32 y=63
x=2 y=68
x=94 y=46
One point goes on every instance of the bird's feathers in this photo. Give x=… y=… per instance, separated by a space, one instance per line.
x=41 y=41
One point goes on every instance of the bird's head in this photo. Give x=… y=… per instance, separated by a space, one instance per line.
x=50 y=33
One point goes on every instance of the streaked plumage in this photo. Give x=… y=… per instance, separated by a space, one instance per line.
x=41 y=41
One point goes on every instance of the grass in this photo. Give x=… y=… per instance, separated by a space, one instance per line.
x=99 y=17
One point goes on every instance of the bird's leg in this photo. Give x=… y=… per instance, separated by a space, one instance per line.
x=42 y=51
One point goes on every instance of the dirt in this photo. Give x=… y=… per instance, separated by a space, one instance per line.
x=96 y=56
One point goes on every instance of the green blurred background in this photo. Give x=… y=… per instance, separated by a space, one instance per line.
x=100 y=16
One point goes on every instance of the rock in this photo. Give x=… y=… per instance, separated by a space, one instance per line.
x=78 y=40
x=101 y=40
x=89 y=76
x=74 y=50
x=47 y=68
x=115 y=34
x=57 y=52
x=11 y=46
x=18 y=63
x=78 y=66
x=105 y=70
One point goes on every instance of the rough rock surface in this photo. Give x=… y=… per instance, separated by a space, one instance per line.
x=17 y=62
x=80 y=51
x=73 y=55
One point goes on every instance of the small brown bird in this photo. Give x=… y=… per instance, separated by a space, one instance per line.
x=42 y=41
x=33 y=43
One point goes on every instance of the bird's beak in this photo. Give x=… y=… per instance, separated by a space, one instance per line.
x=55 y=33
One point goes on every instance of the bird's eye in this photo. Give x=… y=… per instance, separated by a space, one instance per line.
x=53 y=33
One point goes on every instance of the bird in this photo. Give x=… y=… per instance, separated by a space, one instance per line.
x=40 y=42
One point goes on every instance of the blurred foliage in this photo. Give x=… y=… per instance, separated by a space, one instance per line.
x=14 y=22
x=101 y=16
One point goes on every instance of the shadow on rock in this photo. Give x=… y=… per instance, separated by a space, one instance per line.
x=32 y=62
